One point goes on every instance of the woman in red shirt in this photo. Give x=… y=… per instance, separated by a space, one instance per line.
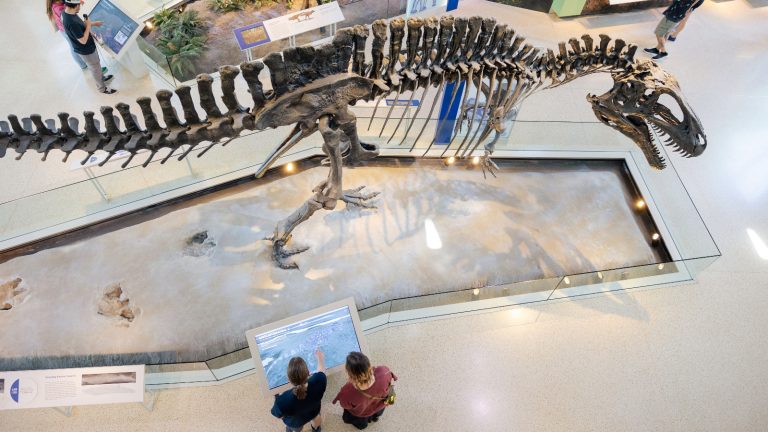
x=363 y=396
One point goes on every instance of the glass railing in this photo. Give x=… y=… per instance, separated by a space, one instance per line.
x=516 y=299
x=221 y=47
x=106 y=192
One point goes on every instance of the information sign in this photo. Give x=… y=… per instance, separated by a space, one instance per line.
x=252 y=35
x=403 y=102
x=334 y=329
x=300 y=22
x=418 y=6
x=117 y=27
x=69 y=387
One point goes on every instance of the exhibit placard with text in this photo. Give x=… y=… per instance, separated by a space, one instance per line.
x=117 y=27
x=50 y=388
x=300 y=22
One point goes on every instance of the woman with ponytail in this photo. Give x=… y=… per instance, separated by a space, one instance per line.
x=367 y=393
x=301 y=404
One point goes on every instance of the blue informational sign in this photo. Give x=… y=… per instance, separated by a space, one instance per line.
x=15 y=391
x=117 y=27
x=403 y=102
x=252 y=35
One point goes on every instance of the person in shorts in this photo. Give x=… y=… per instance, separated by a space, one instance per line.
x=681 y=25
x=675 y=13
x=301 y=404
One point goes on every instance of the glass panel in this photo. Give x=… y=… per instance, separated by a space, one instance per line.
x=469 y=300
x=180 y=373
x=375 y=316
x=232 y=364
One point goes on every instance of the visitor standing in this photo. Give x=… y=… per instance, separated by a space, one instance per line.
x=54 y=9
x=79 y=33
x=678 y=28
x=367 y=393
x=301 y=404
x=675 y=13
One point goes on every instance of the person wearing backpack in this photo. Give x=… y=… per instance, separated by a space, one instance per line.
x=367 y=393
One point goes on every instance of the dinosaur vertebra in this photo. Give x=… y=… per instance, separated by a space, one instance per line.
x=312 y=89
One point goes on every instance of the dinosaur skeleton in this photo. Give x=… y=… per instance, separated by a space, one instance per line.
x=313 y=88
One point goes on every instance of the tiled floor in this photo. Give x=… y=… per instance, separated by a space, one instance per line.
x=687 y=358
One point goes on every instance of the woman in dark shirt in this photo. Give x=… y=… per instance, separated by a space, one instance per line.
x=301 y=404
x=363 y=397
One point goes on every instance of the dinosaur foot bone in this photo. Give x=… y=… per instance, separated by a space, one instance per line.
x=281 y=254
x=358 y=199
x=487 y=164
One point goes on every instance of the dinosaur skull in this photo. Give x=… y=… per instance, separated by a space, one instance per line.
x=633 y=108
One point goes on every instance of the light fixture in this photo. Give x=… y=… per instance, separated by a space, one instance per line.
x=475 y=292
x=567 y=281
x=476 y=160
x=600 y=275
x=655 y=236
x=290 y=167
x=758 y=243
x=640 y=204
x=149 y=24
x=660 y=266
x=450 y=161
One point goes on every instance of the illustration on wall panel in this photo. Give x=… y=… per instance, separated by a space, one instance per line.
x=313 y=88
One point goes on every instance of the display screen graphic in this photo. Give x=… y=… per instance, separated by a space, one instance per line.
x=251 y=36
x=332 y=332
x=117 y=27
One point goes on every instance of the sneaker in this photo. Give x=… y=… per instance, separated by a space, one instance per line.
x=651 y=50
x=106 y=78
x=671 y=38
x=104 y=69
x=660 y=55
x=109 y=91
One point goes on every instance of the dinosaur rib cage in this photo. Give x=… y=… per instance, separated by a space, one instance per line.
x=436 y=51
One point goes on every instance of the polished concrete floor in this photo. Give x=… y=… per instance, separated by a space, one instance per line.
x=685 y=358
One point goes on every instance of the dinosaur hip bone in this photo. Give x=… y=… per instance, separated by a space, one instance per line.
x=312 y=89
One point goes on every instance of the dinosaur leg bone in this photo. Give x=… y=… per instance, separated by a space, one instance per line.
x=325 y=196
x=358 y=151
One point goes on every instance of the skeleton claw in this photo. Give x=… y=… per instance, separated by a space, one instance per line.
x=280 y=253
x=355 y=198
x=487 y=164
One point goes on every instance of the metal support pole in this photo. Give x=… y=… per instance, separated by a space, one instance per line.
x=96 y=183
x=447 y=116
x=150 y=397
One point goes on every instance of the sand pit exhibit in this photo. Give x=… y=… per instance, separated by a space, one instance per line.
x=185 y=281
